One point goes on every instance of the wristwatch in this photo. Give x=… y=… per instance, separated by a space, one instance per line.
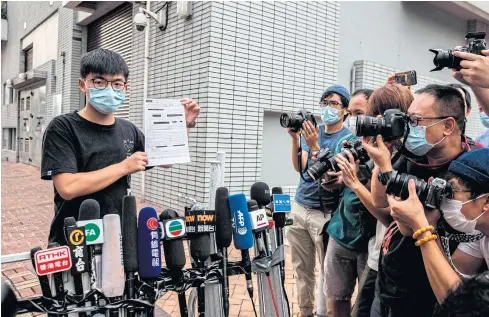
x=385 y=177
x=191 y=124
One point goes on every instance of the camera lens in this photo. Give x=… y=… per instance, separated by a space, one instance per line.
x=444 y=58
x=398 y=186
x=317 y=170
x=285 y=120
x=369 y=126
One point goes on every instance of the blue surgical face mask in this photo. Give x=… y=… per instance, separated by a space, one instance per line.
x=330 y=115
x=416 y=141
x=106 y=100
x=484 y=119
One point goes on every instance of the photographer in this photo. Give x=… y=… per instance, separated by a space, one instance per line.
x=309 y=212
x=468 y=176
x=436 y=117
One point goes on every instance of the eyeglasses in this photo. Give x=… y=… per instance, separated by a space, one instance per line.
x=331 y=103
x=100 y=83
x=414 y=120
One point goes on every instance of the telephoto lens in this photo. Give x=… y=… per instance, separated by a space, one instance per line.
x=429 y=193
x=295 y=120
x=322 y=165
x=392 y=126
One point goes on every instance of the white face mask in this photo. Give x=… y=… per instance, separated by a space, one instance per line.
x=452 y=212
x=351 y=124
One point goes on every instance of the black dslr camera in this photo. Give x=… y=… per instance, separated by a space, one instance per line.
x=476 y=43
x=430 y=194
x=391 y=127
x=326 y=161
x=295 y=121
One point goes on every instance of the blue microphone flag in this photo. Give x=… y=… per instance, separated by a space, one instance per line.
x=242 y=231
x=149 y=250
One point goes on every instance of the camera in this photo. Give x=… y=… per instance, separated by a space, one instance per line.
x=391 y=126
x=430 y=194
x=326 y=161
x=295 y=121
x=140 y=21
x=442 y=59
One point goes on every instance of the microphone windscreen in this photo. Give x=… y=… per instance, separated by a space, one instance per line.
x=70 y=222
x=261 y=193
x=112 y=267
x=89 y=210
x=200 y=247
x=174 y=251
x=252 y=205
x=242 y=232
x=224 y=226
x=277 y=190
x=149 y=250
x=130 y=234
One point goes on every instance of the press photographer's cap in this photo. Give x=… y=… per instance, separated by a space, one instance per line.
x=473 y=167
x=339 y=90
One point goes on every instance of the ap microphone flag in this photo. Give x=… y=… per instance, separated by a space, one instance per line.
x=149 y=249
x=242 y=233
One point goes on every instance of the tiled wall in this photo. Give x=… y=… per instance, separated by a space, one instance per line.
x=237 y=59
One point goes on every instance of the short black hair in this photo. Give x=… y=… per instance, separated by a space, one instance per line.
x=344 y=101
x=470 y=299
x=365 y=91
x=468 y=98
x=450 y=102
x=104 y=62
x=473 y=193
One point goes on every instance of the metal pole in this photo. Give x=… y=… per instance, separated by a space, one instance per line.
x=145 y=88
x=221 y=157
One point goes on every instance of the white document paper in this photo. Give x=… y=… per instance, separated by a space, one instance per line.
x=165 y=132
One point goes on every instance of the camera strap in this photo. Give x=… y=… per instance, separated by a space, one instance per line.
x=299 y=155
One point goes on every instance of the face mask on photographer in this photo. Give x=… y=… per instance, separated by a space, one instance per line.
x=329 y=115
x=416 y=142
x=484 y=119
x=452 y=212
x=351 y=124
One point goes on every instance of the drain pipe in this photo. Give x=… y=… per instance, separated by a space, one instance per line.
x=145 y=88
x=352 y=79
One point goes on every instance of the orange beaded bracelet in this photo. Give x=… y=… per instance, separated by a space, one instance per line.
x=424 y=240
x=421 y=230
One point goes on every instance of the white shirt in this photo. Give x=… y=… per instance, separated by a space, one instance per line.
x=478 y=249
x=374 y=246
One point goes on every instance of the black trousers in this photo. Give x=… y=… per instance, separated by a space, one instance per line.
x=366 y=293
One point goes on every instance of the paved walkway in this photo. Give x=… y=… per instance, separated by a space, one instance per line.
x=27 y=211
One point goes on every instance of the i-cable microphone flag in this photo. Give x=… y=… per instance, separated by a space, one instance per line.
x=242 y=234
x=174 y=257
x=224 y=236
x=89 y=217
x=130 y=245
x=75 y=237
x=112 y=265
x=149 y=249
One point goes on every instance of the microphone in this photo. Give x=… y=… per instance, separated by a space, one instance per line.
x=9 y=301
x=242 y=234
x=175 y=258
x=278 y=217
x=58 y=279
x=260 y=192
x=43 y=280
x=149 y=249
x=75 y=237
x=224 y=235
x=259 y=223
x=112 y=265
x=89 y=216
x=130 y=245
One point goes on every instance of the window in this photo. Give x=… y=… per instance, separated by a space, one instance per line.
x=26 y=142
x=28 y=104
x=22 y=105
x=8 y=140
x=5 y=97
x=29 y=55
x=11 y=95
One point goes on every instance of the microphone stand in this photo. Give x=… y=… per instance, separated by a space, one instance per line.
x=225 y=281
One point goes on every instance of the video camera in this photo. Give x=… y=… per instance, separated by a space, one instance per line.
x=445 y=58
x=326 y=161
x=295 y=121
x=430 y=193
x=391 y=126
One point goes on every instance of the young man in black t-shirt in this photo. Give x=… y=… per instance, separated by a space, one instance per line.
x=90 y=153
x=435 y=139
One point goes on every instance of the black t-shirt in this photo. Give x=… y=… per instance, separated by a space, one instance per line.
x=72 y=144
x=402 y=281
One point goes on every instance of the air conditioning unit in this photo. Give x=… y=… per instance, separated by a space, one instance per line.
x=184 y=9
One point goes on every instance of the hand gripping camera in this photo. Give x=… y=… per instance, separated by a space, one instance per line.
x=445 y=58
x=295 y=121
x=326 y=161
x=430 y=193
